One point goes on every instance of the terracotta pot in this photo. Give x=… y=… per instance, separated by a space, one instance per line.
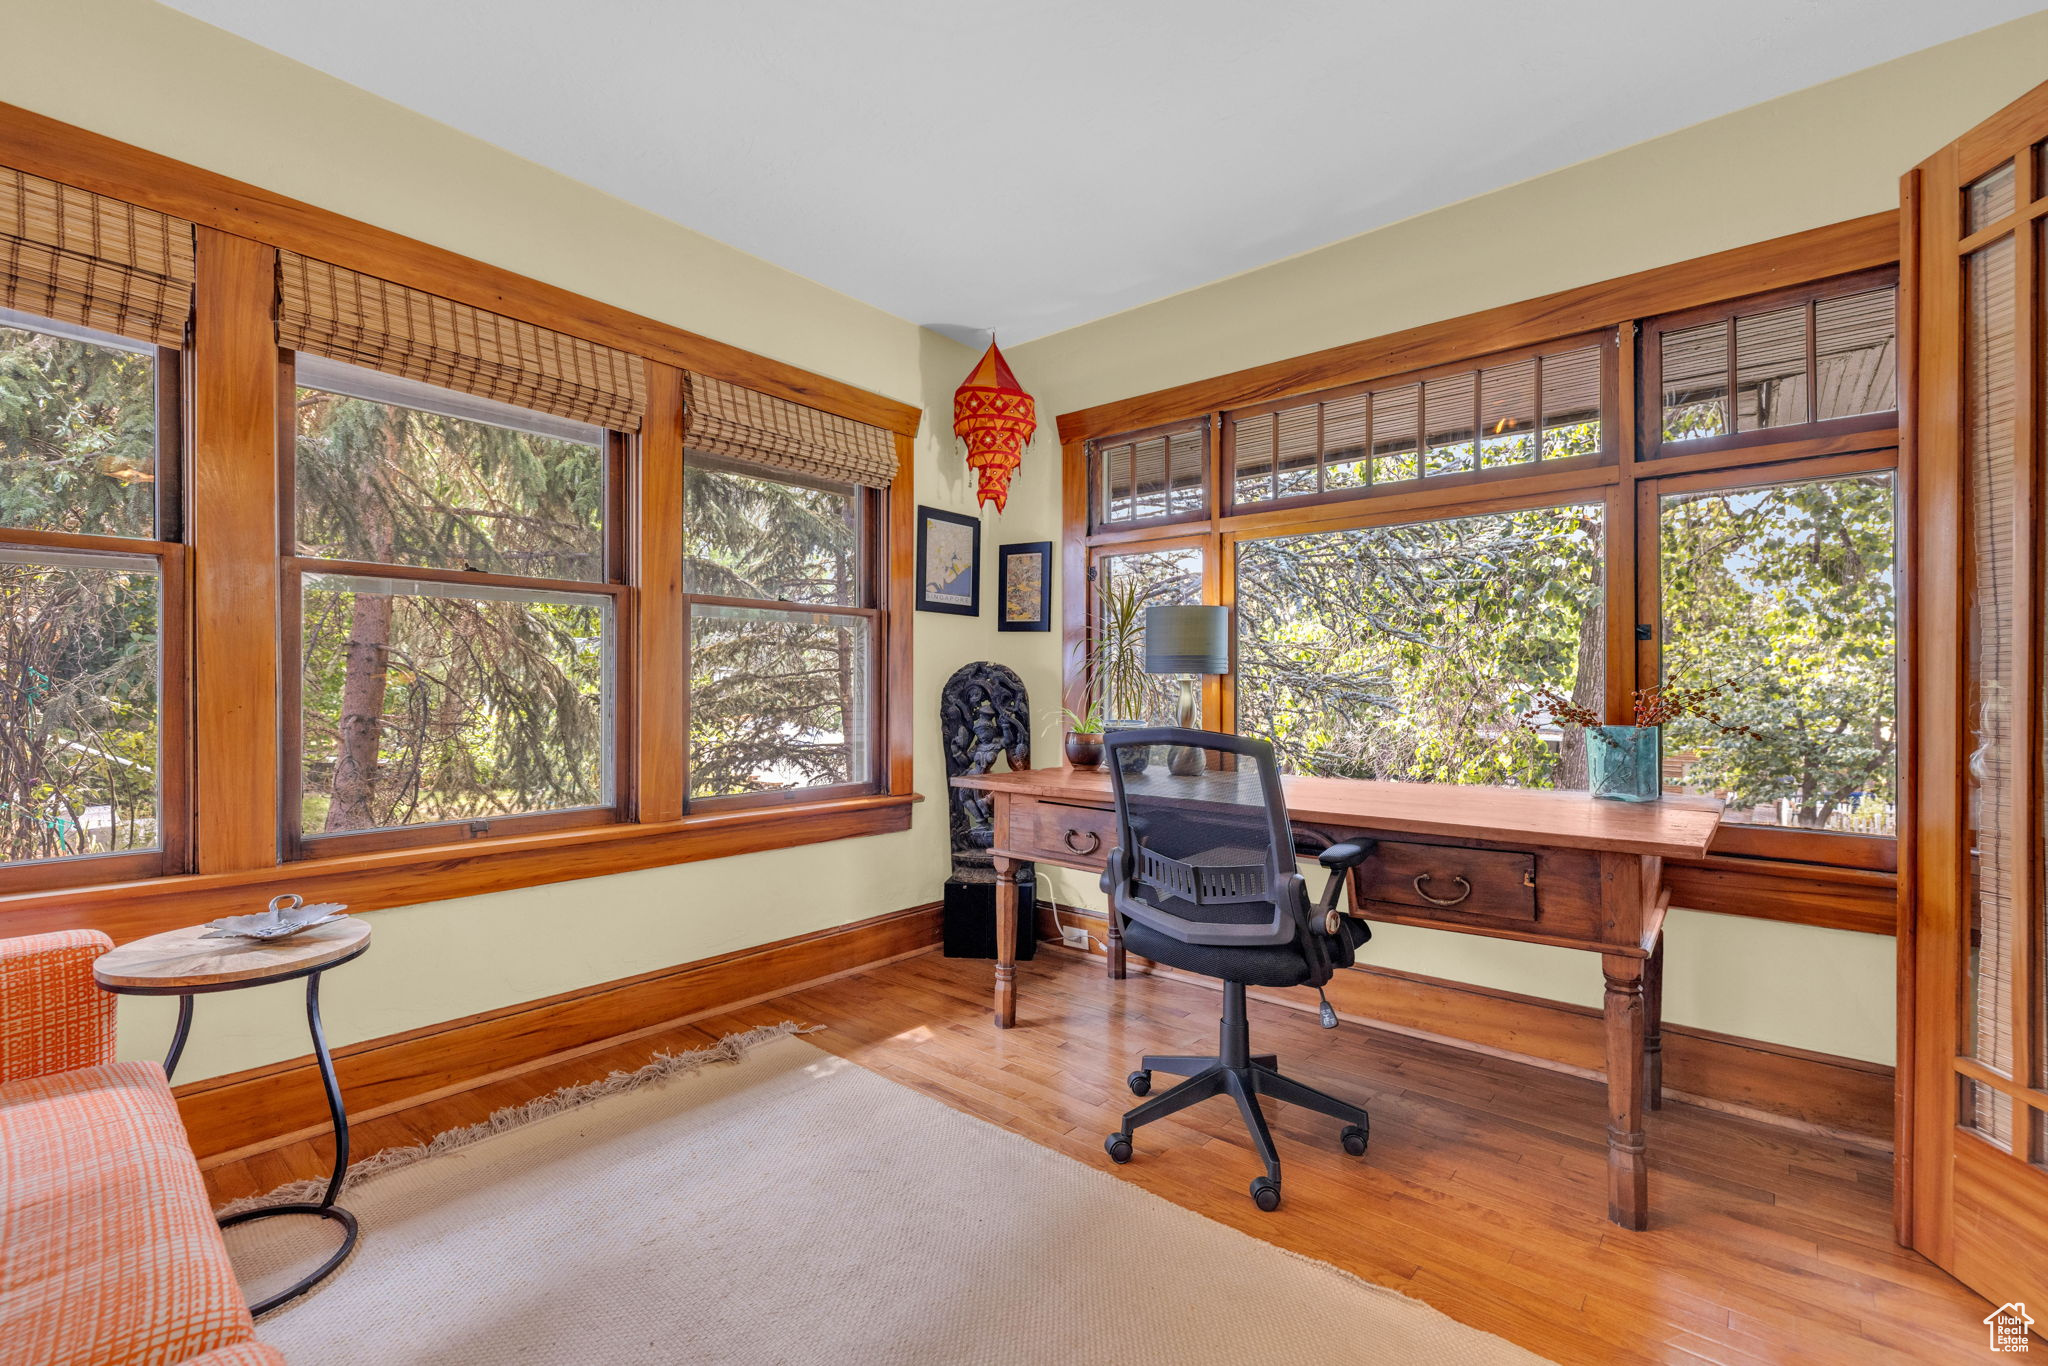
x=1084 y=749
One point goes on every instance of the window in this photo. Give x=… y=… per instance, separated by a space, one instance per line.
x=1817 y=360
x=1411 y=652
x=88 y=568
x=456 y=620
x=1128 y=584
x=1787 y=592
x=1503 y=416
x=782 y=634
x=1152 y=476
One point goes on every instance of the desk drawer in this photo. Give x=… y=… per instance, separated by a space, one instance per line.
x=1076 y=835
x=1448 y=882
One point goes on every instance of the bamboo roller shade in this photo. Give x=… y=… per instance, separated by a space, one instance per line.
x=362 y=320
x=91 y=261
x=724 y=419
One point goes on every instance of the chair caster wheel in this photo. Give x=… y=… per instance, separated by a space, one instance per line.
x=1354 y=1138
x=1118 y=1146
x=1266 y=1194
x=1139 y=1082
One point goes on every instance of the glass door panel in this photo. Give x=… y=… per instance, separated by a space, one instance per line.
x=1990 y=448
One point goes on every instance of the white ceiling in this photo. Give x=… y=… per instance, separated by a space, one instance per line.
x=1030 y=166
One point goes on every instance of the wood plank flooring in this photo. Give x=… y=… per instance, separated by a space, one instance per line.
x=1483 y=1194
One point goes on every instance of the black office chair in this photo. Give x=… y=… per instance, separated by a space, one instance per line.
x=1203 y=878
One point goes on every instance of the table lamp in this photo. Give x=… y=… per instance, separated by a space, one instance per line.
x=1186 y=641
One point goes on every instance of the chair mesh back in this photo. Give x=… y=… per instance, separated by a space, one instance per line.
x=1207 y=821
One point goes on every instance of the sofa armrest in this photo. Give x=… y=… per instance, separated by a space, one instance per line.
x=53 y=1018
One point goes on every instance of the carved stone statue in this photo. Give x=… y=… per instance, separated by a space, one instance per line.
x=984 y=715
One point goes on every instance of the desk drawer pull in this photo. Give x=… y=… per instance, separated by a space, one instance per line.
x=1464 y=890
x=1094 y=841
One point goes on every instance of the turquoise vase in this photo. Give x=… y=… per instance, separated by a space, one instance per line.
x=1625 y=763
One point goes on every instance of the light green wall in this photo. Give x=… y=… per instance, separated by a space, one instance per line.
x=1821 y=155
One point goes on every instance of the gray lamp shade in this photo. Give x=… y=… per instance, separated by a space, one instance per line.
x=1187 y=640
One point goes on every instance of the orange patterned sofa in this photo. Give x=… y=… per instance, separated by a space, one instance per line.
x=109 y=1254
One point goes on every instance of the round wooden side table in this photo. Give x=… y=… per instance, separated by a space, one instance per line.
x=181 y=963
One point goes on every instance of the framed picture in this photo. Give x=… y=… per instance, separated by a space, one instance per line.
x=1024 y=572
x=948 y=562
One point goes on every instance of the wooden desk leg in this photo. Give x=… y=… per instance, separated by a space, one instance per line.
x=1006 y=941
x=1653 y=1026
x=1113 y=948
x=1628 y=1172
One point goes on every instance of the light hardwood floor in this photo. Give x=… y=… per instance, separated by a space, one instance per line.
x=1483 y=1193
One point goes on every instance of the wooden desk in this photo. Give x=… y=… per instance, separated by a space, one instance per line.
x=1510 y=863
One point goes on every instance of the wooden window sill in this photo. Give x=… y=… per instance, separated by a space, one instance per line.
x=1864 y=899
x=403 y=877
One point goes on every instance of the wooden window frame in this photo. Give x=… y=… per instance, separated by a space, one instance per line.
x=1814 y=437
x=1790 y=844
x=223 y=715
x=1839 y=881
x=1098 y=475
x=166 y=547
x=1422 y=485
x=1213 y=691
x=870 y=572
x=298 y=844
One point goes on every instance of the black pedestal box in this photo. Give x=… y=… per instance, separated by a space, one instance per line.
x=970 y=919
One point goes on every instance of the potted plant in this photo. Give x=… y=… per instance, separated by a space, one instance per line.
x=1626 y=763
x=1112 y=674
x=1084 y=736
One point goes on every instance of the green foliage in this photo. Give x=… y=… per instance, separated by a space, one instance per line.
x=78 y=635
x=395 y=485
x=1409 y=652
x=426 y=705
x=77 y=436
x=777 y=698
x=1789 y=591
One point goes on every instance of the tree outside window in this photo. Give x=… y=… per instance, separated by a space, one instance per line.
x=1411 y=652
x=80 y=628
x=1788 y=591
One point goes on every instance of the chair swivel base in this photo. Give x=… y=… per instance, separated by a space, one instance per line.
x=1207 y=1077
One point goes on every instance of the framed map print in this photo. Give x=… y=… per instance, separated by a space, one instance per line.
x=948 y=562
x=1024 y=574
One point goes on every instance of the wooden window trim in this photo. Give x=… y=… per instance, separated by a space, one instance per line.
x=1098 y=489
x=1650 y=443
x=376 y=880
x=1847 y=882
x=1610 y=401
x=59 y=151
x=1858 y=244
x=222 y=714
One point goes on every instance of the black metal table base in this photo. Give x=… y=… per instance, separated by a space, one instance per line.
x=325 y=1207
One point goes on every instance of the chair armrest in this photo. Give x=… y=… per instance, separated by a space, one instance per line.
x=1115 y=871
x=53 y=1018
x=1350 y=854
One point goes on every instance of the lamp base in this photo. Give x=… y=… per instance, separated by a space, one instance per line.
x=1184 y=761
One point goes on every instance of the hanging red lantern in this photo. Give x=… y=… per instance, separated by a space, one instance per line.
x=995 y=417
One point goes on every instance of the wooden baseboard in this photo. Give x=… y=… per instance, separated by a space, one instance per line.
x=1817 y=1092
x=243 y=1112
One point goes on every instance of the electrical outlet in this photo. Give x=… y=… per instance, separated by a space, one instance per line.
x=1074 y=937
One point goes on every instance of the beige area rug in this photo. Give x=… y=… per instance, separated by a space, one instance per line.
x=766 y=1202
